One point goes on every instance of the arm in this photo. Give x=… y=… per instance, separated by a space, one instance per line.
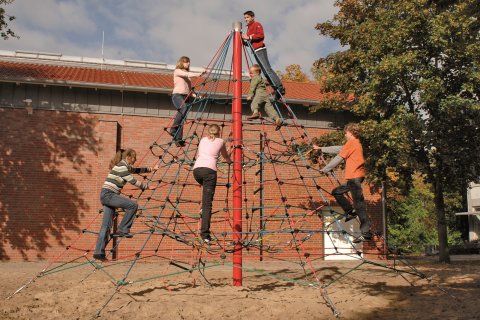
x=130 y=179
x=257 y=33
x=140 y=170
x=225 y=154
x=137 y=183
x=253 y=86
x=330 y=150
x=332 y=164
x=187 y=74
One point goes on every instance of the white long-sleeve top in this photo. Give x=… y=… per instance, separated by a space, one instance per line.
x=181 y=81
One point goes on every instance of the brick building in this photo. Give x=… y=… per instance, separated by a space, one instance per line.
x=63 y=118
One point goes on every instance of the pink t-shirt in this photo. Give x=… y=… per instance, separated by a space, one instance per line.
x=208 y=151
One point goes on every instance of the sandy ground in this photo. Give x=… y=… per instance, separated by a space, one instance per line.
x=369 y=292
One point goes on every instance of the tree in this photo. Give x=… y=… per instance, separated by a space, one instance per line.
x=5 y=31
x=412 y=67
x=294 y=72
x=411 y=224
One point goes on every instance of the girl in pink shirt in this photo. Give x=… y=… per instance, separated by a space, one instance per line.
x=182 y=86
x=205 y=173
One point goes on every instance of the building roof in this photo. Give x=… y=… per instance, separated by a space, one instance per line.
x=44 y=68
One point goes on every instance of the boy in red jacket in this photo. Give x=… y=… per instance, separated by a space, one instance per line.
x=256 y=36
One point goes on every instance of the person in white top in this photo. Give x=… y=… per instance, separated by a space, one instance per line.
x=182 y=86
x=205 y=173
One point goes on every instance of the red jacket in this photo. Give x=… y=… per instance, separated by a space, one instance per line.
x=255 y=33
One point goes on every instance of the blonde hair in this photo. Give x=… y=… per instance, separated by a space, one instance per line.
x=122 y=154
x=213 y=131
x=257 y=68
x=181 y=61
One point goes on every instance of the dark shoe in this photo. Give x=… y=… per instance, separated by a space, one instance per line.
x=179 y=143
x=351 y=214
x=207 y=239
x=279 y=93
x=99 y=256
x=123 y=235
x=278 y=124
x=364 y=237
x=254 y=116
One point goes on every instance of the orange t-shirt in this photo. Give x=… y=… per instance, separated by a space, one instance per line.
x=352 y=152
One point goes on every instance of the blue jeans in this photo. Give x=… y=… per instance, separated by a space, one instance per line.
x=181 y=104
x=111 y=201
x=208 y=179
x=355 y=188
x=262 y=59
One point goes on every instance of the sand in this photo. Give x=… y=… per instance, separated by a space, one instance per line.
x=370 y=292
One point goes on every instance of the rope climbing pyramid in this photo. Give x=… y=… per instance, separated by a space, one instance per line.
x=271 y=203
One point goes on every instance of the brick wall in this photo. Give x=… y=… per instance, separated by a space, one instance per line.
x=54 y=163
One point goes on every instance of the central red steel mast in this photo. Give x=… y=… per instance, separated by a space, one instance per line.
x=237 y=153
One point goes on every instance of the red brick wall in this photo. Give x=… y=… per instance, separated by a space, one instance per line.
x=54 y=163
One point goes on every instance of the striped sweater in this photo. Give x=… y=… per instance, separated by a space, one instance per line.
x=121 y=174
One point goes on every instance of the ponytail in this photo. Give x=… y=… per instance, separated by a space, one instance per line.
x=120 y=155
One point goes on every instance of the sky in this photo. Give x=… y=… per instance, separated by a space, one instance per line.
x=164 y=30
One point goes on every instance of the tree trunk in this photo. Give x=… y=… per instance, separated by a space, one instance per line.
x=444 y=255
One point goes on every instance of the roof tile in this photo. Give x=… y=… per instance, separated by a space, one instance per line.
x=18 y=71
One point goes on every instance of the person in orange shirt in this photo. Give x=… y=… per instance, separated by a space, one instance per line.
x=352 y=153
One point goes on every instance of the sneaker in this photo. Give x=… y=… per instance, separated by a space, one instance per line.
x=123 y=235
x=99 y=256
x=363 y=237
x=254 y=116
x=207 y=239
x=278 y=124
x=349 y=215
x=179 y=143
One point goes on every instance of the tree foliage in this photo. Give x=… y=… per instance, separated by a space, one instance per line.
x=411 y=223
x=295 y=73
x=413 y=68
x=5 y=31
x=411 y=226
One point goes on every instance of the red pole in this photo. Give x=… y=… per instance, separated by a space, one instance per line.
x=237 y=153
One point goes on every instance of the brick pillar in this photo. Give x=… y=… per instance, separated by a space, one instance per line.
x=110 y=142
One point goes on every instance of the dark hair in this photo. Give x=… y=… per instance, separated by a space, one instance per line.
x=249 y=13
x=354 y=129
x=120 y=155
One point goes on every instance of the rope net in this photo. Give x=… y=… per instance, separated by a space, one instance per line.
x=287 y=208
